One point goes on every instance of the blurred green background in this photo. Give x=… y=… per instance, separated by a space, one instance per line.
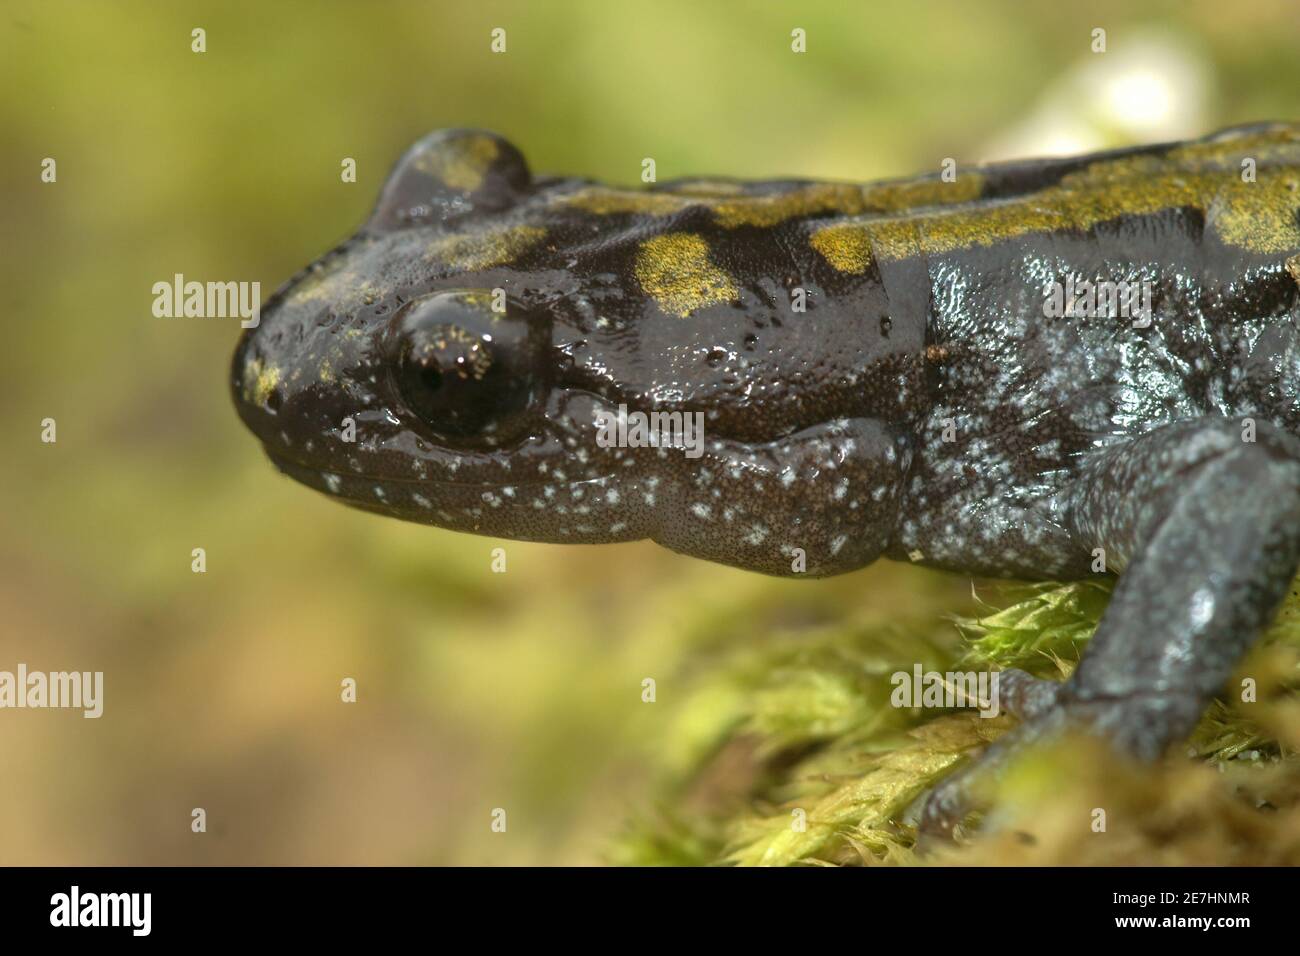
x=476 y=690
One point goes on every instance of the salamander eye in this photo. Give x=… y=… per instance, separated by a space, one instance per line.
x=472 y=375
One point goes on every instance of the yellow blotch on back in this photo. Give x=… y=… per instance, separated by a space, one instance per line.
x=904 y=194
x=732 y=209
x=676 y=271
x=1260 y=216
x=708 y=188
x=1256 y=216
x=906 y=218
x=846 y=246
x=608 y=202
x=770 y=210
x=729 y=211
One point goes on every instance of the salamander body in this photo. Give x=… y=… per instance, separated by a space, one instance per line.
x=1047 y=368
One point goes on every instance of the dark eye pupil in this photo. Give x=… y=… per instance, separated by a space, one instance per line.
x=431 y=376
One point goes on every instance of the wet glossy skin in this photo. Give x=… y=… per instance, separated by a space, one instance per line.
x=921 y=408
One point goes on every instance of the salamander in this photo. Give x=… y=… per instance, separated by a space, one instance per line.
x=878 y=370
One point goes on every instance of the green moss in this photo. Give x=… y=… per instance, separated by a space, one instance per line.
x=1044 y=626
x=800 y=759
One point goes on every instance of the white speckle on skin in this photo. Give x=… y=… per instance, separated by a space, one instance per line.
x=1202 y=607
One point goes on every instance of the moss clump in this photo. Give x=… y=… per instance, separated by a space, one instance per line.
x=807 y=763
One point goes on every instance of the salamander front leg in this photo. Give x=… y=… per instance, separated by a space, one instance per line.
x=1205 y=527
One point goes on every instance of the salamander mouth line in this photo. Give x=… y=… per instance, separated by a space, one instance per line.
x=294 y=469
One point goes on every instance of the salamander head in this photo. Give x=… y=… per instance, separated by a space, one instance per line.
x=462 y=361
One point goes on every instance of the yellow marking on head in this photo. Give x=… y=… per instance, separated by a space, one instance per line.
x=326 y=372
x=482 y=250
x=322 y=284
x=330 y=280
x=846 y=246
x=343 y=291
x=460 y=163
x=267 y=379
x=259 y=381
x=676 y=271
